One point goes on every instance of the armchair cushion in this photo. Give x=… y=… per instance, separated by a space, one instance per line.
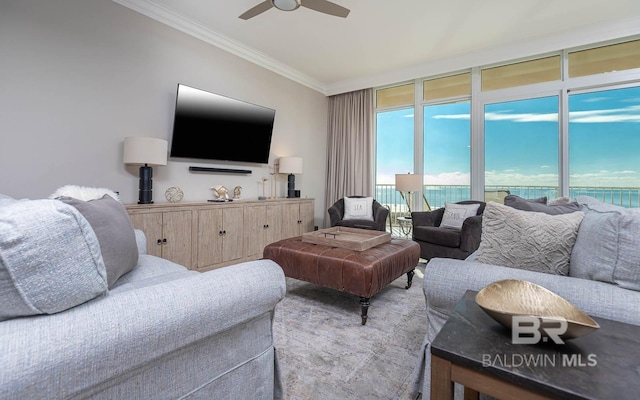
x=455 y=214
x=437 y=235
x=358 y=208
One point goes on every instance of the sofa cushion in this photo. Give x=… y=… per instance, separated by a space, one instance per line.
x=528 y=240
x=358 y=208
x=49 y=259
x=607 y=245
x=436 y=235
x=114 y=230
x=540 y=205
x=455 y=214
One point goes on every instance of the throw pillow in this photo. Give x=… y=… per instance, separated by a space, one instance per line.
x=85 y=193
x=114 y=230
x=49 y=259
x=525 y=240
x=358 y=208
x=539 y=205
x=455 y=214
x=607 y=246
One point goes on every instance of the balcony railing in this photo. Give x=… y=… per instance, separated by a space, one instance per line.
x=437 y=195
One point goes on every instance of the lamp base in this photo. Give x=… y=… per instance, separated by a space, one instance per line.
x=145 y=195
x=291 y=184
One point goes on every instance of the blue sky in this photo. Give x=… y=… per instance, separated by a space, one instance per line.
x=521 y=141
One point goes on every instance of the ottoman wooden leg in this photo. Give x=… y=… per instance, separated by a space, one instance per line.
x=410 y=278
x=364 y=305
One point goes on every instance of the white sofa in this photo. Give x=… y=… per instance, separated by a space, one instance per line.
x=159 y=331
x=603 y=278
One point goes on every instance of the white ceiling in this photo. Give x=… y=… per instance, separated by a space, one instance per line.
x=383 y=42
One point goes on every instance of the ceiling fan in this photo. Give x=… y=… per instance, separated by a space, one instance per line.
x=322 y=6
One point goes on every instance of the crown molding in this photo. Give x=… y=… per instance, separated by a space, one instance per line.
x=166 y=16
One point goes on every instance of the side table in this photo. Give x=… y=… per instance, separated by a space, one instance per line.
x=475 y=351
x=406 y=225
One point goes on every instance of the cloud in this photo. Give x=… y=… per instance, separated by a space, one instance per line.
x=626 y=114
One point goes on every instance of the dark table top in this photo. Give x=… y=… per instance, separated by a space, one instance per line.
x=604 y=364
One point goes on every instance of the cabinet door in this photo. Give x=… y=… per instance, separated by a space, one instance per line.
x=151 y=225
x=306 y=217
x=290 y=218
x=233 y=233
x=273 y=231
x=210 y=234
x=255 y=227
x=176 y=229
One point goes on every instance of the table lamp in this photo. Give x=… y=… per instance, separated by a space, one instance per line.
x=146 y=152
x=409 y=183
x=290 y=165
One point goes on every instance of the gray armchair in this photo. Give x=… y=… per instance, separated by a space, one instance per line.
x=380 y=215
x=435 y=241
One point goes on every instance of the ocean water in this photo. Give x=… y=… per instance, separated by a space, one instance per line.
x=436 y=196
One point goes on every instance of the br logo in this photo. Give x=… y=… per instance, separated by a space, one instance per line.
x=531 y=330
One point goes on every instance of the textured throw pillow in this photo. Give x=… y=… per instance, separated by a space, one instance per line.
x=358 y=208
x=455 y=214
x=49 y=259
x=539 y=205
x=608 y=245
x=114 y=230
x=85 y=193
x=526 y=240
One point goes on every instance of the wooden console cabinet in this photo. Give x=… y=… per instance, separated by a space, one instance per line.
x=204 y=236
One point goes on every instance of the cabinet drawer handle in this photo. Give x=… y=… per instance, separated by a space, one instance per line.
x=220 y=233
x=159 y=242
x=164 y=241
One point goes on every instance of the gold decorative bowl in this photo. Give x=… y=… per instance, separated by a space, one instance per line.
x=504 y=299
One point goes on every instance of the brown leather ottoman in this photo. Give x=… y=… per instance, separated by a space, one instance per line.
x=361 y=273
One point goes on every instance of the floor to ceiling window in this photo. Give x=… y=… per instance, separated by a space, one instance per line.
x=394 y=142
x=604 y=145
x=560 y=124
x=521 y=147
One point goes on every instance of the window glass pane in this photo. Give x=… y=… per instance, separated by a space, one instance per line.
x=447 y=154
x=521 y=147
x=523 y=73
x=604 y=145
x=394 y=155
x=440 y=88
x=395 y=96
x=616 y=57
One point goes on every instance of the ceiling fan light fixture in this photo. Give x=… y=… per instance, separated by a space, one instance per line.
x=286 y=5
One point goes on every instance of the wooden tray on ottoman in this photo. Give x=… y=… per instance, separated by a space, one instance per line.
x=347 y=238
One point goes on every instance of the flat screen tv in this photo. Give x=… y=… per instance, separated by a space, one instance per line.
x=213 y=127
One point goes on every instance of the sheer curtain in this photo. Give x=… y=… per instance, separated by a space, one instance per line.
x=350 y=160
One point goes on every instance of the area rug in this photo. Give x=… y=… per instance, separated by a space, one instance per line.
x=325 y=352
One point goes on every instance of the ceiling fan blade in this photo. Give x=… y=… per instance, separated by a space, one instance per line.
x=326 y=7
x=259 y=9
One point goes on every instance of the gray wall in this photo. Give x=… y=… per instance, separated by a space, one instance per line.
x=77 y=76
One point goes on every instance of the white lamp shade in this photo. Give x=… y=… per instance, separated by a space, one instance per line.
x=290 y=165
x=145 y=150
x=408 y=183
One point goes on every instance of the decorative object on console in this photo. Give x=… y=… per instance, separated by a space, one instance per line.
x=263 y=197
x=502 y=300
x=237 y=192
x=174 y=194
x=410 y=183
x=291 y=166
x=221 y=192
x=146 y=152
